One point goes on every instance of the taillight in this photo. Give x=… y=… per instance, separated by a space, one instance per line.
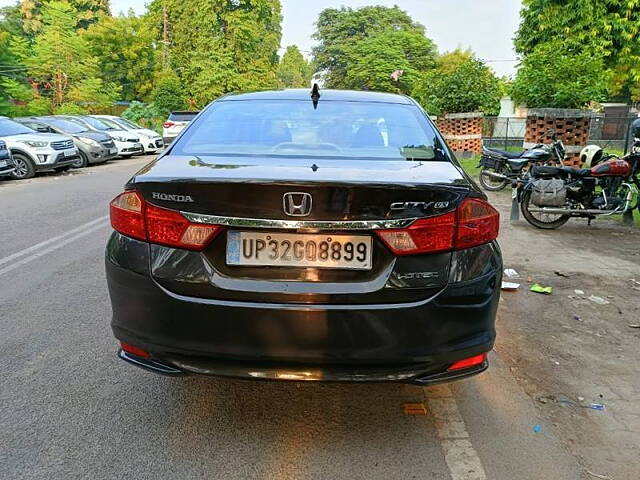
x=168 y=124
x=434 y=234
x=133 y=217
x=475 y=222
x=168 y=227
x=127 y=215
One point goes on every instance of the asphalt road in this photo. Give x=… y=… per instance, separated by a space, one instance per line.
x=70 y=409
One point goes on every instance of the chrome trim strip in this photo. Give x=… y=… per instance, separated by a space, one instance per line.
x=298 y=224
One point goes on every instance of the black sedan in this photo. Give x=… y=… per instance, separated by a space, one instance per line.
x=292 y=235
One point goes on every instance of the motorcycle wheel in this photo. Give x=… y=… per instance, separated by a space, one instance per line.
x=545 y=221
x=490 y=183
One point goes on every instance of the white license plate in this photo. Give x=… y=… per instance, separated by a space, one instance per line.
x=351 y=252
x=3 y=163
x=70 y=153
x=113 y=150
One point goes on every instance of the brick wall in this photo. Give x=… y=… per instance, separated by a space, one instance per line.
x=572 y=126
x=463 y=131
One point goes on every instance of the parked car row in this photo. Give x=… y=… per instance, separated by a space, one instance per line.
x=60 y=142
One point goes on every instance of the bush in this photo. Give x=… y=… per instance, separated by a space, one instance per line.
x=459 y=83
x=145 y=114
x=556 y=76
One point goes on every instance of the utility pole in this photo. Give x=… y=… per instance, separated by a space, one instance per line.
x=165 y=37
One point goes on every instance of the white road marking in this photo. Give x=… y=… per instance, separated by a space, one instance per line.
x=40 y=245
x=44 y=251
x=461 y=457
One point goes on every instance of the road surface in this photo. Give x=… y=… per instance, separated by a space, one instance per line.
x=70 y=409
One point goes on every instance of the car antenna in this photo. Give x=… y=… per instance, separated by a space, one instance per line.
x=315 y=95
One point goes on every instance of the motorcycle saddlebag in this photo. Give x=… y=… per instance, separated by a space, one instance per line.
x=549 y=193
x=491 y=162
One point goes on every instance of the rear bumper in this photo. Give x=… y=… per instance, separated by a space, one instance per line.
x=403 y=342
x=415 y=374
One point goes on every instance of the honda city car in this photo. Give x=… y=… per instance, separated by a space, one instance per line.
x=295 y=235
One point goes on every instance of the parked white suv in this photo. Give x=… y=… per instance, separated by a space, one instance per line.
x=151 y=141
x=175 y=124
x=126 y=142
x=33 y=152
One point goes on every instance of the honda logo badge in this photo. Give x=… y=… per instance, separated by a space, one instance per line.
x=297 y=204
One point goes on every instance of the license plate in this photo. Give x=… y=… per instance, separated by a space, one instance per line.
x=70 y=153
x=113 y=150
x=3 y=163
x=351 y=252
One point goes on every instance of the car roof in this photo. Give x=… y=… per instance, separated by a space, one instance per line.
x=325 y=95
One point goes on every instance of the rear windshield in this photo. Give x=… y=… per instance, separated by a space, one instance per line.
x=182 y=116
x=379 y=131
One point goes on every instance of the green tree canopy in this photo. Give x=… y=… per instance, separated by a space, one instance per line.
x=220 y=46
x=86 y=11
x=556 y=75
x=608 y=30
x=361 y=48
x=459 y=83
x=293 y=71
x=125 y=47
x=64 y=73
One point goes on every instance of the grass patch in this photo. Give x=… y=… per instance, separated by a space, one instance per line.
x=470 y=165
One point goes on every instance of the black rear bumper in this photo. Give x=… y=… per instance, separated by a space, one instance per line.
x=403 y=342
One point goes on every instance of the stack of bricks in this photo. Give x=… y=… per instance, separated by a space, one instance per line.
x=463 y=131
x=571 y=126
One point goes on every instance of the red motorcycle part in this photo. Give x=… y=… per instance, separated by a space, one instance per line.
x=612 y=168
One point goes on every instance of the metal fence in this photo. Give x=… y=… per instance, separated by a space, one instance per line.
x=611 y=133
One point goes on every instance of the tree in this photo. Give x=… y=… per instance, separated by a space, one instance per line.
x=87 y=12
x=63 y=72
x=556 y=75
x=125 y=47
x=168 y=94
x=293 y=71
x=459 y=83
x=14 y=91
x=361 y=48
x=220 y=46
x=607 y=30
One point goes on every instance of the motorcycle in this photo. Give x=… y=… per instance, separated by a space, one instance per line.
x=499 y=168
x=551 y=195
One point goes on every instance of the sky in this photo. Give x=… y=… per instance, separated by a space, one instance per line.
x=486 y=26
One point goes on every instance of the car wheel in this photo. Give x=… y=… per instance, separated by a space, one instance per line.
x=23 y=167
x=82 y=161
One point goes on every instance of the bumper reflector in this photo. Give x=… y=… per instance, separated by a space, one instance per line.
x=138 y=352
x=468 y=362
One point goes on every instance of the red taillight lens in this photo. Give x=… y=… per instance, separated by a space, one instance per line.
x=475 y=222
x=127 y=215
x=434 y=234
x=468 y=362
x=133 y=217
x=168 y=227
x=478 y=223
x=134 y=350
x=168 y=124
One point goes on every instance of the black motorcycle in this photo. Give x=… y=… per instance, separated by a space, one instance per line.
x=499 y=168
x=550 y=196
